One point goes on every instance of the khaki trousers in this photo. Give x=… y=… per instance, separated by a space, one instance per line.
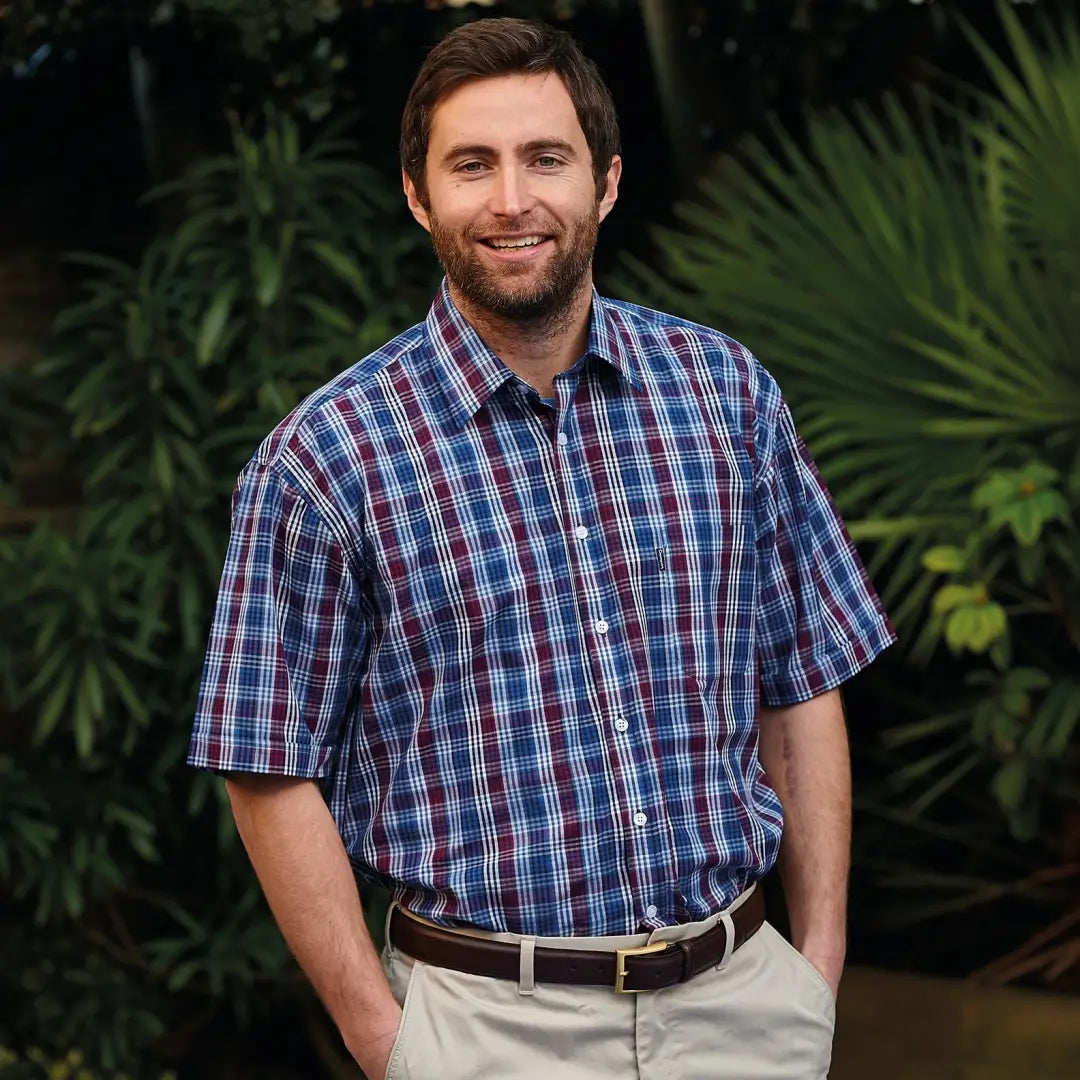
x=764 y=1014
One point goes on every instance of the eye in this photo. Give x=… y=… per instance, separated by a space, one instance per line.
x=470 y=167
x=548 y=161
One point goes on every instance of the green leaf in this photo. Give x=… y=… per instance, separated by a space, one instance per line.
x=163 y=468
x=1027 y=678
x=55 y=704
x=110 y=462
x=975 y=627
x=916 y=730
x=344 y=268
x=71 y=893
x=949 y=597
x=1025 y=521
x=1010 y=784
x=190 y=602
x=1015 y=703
x=331 y=316
x=944 y=559
x=1030 y=563
x=182 y=975
x=959 y=627
x=268 y=271
x=84 y=716
x=214 y=322
x=990 y=624
x=263 y=196
x=1000 y=489
x=1051 y=731
x=128 y=694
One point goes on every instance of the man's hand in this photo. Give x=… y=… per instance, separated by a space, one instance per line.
x=371 y=1049
x=829 y=964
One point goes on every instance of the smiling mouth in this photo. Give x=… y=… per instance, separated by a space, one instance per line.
x=513 y=243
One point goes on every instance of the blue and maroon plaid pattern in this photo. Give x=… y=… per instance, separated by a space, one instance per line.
x=524 y=649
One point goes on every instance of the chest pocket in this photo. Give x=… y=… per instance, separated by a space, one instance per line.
x=687 y=588
x=679 y=569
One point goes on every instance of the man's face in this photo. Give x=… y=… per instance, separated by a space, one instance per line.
x=512 y=205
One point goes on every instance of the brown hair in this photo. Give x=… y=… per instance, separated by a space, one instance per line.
x=491 y=47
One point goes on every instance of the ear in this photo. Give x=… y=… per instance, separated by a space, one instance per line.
x=611 y=191
x=419 y=211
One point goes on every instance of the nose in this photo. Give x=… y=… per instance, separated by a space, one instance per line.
x=510 y=196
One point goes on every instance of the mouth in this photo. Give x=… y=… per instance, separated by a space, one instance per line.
x=516 y=248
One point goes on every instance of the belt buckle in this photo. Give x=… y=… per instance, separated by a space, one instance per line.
x=620 y=963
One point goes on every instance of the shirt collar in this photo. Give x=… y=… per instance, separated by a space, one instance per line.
x=469 y=372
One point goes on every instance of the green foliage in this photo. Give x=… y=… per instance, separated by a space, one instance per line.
x=912 y=277
x=134 y=914
x=37 y=1065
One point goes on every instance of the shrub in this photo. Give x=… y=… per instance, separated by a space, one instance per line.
x=912 y=277
x=135 y=919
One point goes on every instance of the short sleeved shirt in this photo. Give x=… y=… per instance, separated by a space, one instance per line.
x=523 y=647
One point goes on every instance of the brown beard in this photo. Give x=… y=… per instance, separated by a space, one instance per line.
x=492 y=291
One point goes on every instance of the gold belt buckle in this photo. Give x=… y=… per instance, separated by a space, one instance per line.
x=620 y=963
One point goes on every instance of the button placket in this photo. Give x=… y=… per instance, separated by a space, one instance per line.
x=604 y=649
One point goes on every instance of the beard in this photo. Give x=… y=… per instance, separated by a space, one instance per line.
x=513 y=292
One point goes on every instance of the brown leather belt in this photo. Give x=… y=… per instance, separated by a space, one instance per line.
x=649 y=967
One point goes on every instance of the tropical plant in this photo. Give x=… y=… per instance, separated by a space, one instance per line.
x=912 y=277
x=134 y=920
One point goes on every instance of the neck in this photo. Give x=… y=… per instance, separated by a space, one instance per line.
x=538 y=349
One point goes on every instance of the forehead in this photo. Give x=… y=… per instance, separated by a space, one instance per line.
x=504 y=111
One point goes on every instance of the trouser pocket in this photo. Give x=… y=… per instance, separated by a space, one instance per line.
x=404 y=976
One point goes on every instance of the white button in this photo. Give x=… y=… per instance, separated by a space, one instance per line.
x=601 y=626
x=562 y=440
x=581 y=532
x=640 y=819
x=621 y=723
x=650 y=911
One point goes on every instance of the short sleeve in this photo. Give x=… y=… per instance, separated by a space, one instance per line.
x=287 y=633
x=819 y=620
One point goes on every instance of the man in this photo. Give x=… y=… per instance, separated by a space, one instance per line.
x=537 y=615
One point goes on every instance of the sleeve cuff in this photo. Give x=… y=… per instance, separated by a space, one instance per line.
x=820 y=674
x=269 y=758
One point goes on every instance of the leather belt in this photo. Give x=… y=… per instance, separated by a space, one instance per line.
x=648 y=967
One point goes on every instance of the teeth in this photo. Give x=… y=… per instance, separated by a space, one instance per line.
x=524 y=241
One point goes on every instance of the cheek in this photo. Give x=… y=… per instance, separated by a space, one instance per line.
x=457 y=219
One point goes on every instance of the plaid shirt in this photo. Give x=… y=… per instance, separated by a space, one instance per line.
x=524 y=648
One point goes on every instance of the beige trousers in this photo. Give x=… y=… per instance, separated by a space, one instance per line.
x=764 y=1014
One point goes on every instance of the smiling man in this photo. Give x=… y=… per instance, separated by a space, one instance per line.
x=537 y=615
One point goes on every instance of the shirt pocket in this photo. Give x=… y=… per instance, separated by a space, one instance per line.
x=666 y=566
x=687 y=590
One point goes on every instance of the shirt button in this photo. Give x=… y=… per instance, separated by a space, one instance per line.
x=640 y=819
x=581 y=532
x=621 y=723
x=650 y=911
x=562 y=440
x=601 y=626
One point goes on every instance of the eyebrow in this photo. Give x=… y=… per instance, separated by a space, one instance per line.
x=533 y=146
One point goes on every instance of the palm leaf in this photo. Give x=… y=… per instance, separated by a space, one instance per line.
x=902 y=273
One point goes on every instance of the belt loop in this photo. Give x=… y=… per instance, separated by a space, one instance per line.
x=526 y=971
x=729 y=939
